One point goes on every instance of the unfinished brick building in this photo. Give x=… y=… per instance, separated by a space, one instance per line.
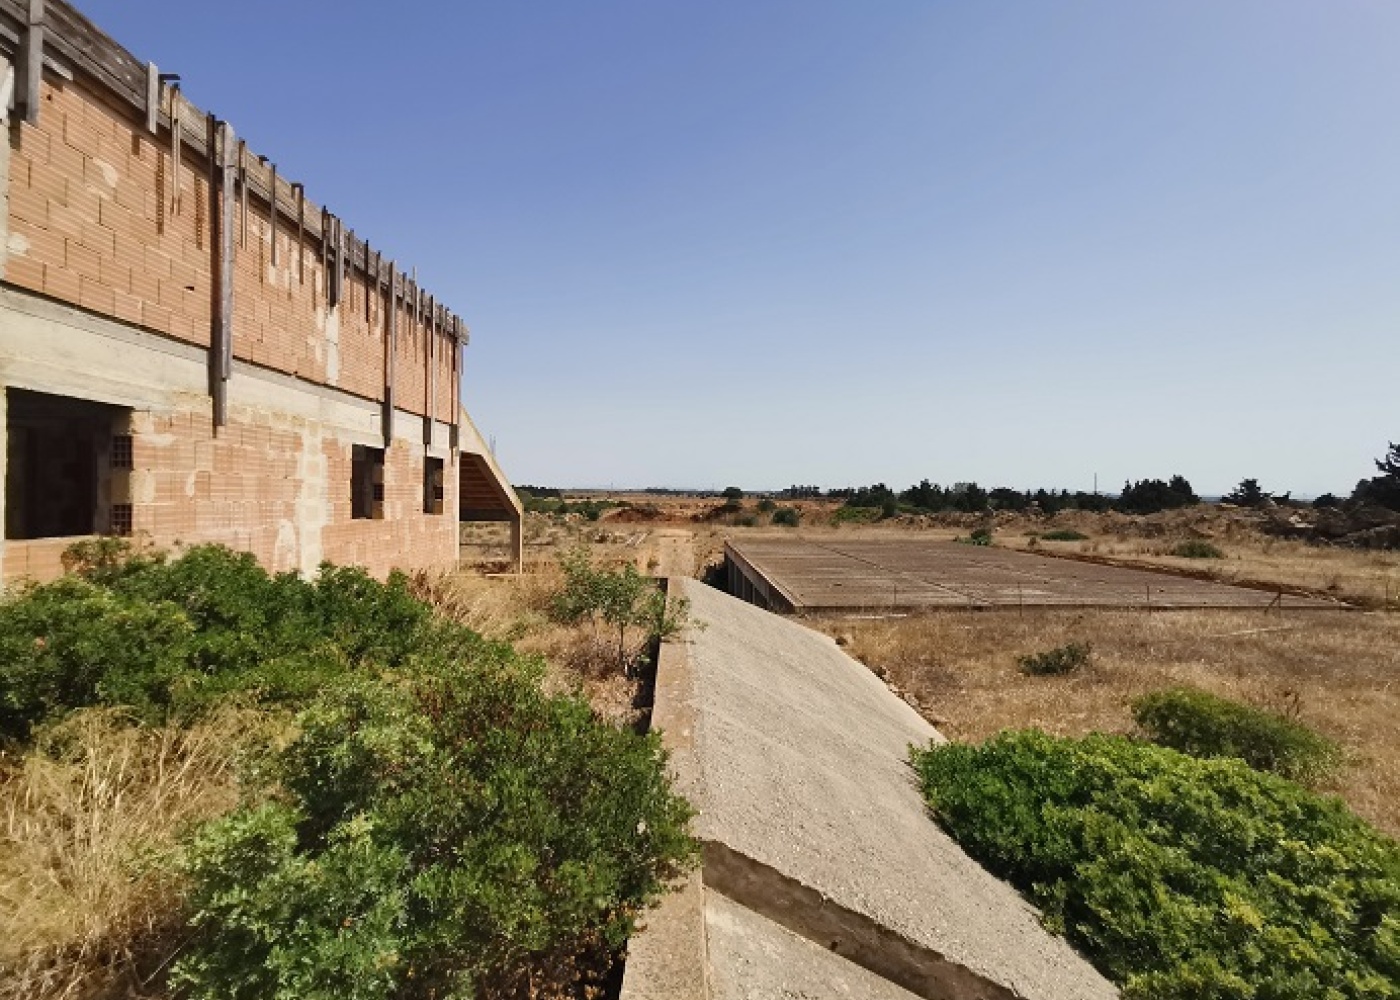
x=193 y=351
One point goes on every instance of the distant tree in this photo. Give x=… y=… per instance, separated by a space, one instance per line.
x=889 y=506
x=1005 y=498
x=969 y=498
x=1326 y=500
x=733 y=494
x=1389 y=463
x=868 y=496
x=1148 y=496
x=1247 y=494
x=1384 y=489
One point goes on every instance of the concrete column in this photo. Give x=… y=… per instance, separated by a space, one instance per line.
x=517 y=542
x=7 y=92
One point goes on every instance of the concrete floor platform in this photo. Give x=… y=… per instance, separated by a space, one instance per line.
x=796 y=756
x=807 y=575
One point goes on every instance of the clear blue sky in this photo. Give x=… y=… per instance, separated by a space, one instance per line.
x=771 y=242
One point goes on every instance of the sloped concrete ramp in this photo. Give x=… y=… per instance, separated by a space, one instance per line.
x=821 y=865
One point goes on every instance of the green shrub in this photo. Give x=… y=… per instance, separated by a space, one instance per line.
x=1181 y=878
x=766 y=506
x=620 y=599
x=1204 y=725
x=979 y=536
x=787 y=517
x=1197 y=549
x=1064 y=535
x=855 y=515
x=170 y=637
x=1060 y=660
x=442 y=830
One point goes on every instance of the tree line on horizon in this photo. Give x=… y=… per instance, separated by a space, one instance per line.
x=1146 y=496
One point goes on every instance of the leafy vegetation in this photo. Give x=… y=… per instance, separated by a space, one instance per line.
x=168 y=638
x=1061 y=660
x=1197 y=548
x=437 y=825
x=978 y=536
x=787 y=517
x=1148 y=496
x=1181 y=878
x=1249 y=494
x=443 y=830
x=1383 y=490
x=623 y=600
x=1205 y=725
x=1063 y=535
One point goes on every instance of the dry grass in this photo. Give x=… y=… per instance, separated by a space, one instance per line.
x=515 y=609
x=1364 y=577
x=86 y=910
x=1337 y=672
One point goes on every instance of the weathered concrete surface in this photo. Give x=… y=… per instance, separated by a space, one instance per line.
x=823 y=877
x=795 y=756
x=854 y=574
x=752 y=957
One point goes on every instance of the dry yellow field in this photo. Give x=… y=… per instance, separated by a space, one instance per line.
x=1337 y=672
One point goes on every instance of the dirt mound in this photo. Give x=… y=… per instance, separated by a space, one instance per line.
x=1362 y=525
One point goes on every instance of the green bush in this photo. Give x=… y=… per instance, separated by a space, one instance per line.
x=979 y=536
x=766 y=506
x=787 y=517
x=622 y=600
x=1060 y=660
x=1181 y=878
x=1197 y=549
x=169 y=637
x=855 y=515
x=441 y=830
x=1204 y=725
x=1064 y=535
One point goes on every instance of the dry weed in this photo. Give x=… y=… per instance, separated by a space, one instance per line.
x=91 y=817
x=1336 y=672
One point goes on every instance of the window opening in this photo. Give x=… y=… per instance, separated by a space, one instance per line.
x=367 y=482
x=432 y=486
x=60 y=453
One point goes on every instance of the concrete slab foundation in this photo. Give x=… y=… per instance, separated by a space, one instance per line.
x=806 y=575
x=796 y=758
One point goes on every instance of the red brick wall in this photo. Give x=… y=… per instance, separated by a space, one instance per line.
x=249 y=488
x=95 y=222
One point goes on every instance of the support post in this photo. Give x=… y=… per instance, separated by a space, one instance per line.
x=223 y=168
x=429 y=382
x=517 y=543
x=29 y=72
x=152 y=98
x=391 y=354
x=7 y=81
